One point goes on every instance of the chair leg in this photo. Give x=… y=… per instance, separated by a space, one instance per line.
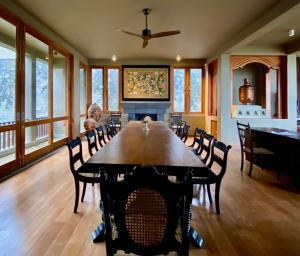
x=83 y=191
x=251 y=166
x=209 y=193
x=242 y=161
x=76 y=195
x=217 y=197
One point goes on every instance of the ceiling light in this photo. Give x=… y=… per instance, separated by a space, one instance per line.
x=113 y=57
x=291 y=32
x=178 y=58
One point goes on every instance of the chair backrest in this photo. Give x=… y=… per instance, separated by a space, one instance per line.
x=175 y=118
x=101 y=138
x=219 y=154
x=207 y=140
x=115 y=117
x=179 y=128
x=144 y=212
x=75 y=146
x=92 y=141
x=185 y=132
x=198 y=139
x=242 y=130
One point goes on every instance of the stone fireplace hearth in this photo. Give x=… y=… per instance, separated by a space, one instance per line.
x=160 y=108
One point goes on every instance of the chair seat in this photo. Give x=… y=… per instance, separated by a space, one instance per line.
x=259 y=151
x=204 y=176
x=87 y=175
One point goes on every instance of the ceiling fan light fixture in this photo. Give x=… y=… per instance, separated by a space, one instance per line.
x=291 y=32
x=114 y=57
x=178 y=58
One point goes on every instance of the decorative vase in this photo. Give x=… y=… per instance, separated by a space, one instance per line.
x=94 y=112
x=246 y=93
x=146 y=128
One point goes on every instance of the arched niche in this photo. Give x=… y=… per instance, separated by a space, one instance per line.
x=263 y=73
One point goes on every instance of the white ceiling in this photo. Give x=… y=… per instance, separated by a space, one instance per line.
x=205 y=25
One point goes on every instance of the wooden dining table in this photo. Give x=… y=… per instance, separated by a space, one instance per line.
x=159 y=146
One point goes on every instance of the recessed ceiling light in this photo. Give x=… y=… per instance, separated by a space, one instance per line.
x=113 y=57
x=291 y=32
x=178 y=58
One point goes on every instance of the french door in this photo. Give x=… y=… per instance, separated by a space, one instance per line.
x=34 y=95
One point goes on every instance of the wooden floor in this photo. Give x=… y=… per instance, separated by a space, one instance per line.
x=259 y=215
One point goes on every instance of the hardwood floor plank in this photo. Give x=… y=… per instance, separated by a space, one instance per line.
x=260 y=215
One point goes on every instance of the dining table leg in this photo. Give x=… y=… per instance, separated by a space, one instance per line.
x=195 y=238
x=98 y=233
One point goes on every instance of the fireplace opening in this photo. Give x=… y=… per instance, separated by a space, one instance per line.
x=141 y=116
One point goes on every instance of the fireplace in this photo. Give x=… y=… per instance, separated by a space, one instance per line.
x=141 y=116
x=137 y=110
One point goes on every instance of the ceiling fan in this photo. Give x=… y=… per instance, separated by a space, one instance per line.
x=146 y=33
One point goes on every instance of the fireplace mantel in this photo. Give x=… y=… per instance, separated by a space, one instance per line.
x=161 y=108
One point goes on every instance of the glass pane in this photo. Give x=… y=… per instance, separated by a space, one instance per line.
x=97 y=87
x=179 y=78
x=36 y=79
x=7 y=72
x=82 y=119
x=7 y=146
x=36 y=137
x=113 y=89
x=59 y=85
x=60 y=130
x=195 y=89
x=82 y=90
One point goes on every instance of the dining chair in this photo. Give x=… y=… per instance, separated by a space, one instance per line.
x=185 y=132
x=179 y=128
x=173 y=120
x=205 y=149
x=116 y=119
x=250 y=151
x=197 y=141
x=101 y=136
x=146 y=214
x=219 y=154
x=81 y=173
x=92 y=142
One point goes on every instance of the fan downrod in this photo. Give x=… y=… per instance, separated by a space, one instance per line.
x=146 y=31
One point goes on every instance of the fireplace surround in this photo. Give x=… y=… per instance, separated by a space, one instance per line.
x=160 y=109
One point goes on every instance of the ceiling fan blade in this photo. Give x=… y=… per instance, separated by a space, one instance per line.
x=145 y=43
x=166 y=33
x=129 y=33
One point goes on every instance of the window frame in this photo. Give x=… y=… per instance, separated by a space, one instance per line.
x=21 y=124
x=90 y=84
x=86 y=95
x=187 y=90
x=119 y=88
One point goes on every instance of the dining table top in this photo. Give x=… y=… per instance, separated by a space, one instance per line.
x=278 y=132
x=159 y=146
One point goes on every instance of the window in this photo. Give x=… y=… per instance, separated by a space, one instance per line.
x=195 y=90
x=36 y=79
x=187 y=92
x=34 y=86
x=7 y=93
x=113 y=89
x=97 y=86
x=179 y=81
x=60 y=99
x=83 y=96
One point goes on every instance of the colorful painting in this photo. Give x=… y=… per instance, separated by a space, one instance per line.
x=146 y=83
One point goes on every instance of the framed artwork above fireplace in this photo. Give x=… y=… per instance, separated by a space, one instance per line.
x=146 y=83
